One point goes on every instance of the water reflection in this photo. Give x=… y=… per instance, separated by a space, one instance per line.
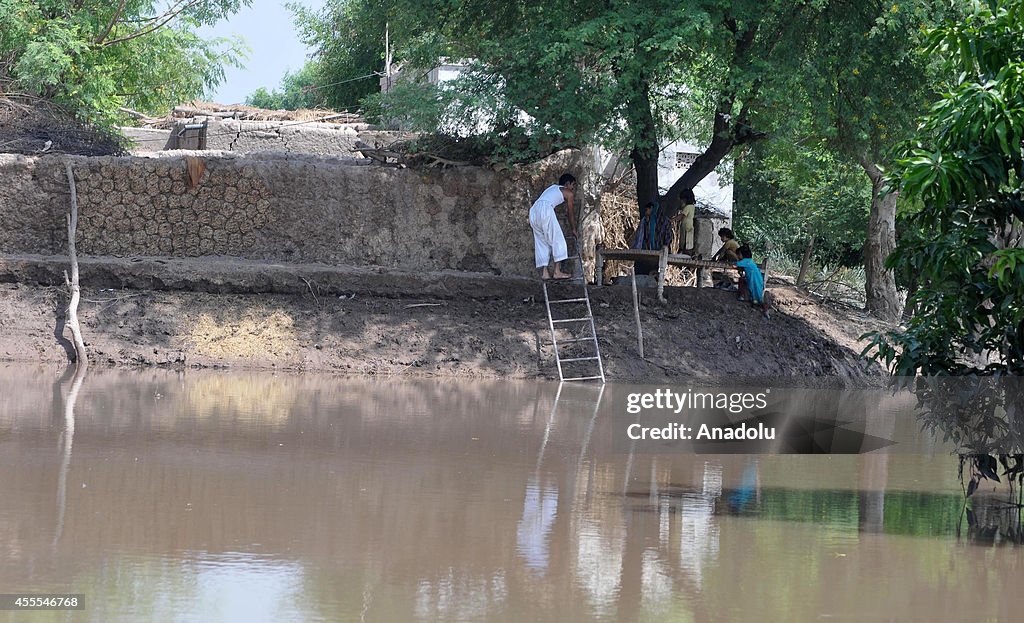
x=222 y=497
x=67 y=439
x=540 y=507
x=982 y=416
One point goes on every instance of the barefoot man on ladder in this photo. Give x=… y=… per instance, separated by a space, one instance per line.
x=548 y=240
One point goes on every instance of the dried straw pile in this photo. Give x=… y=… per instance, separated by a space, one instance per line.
x=32 y=126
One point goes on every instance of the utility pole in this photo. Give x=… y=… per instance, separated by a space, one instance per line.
x=387 y=57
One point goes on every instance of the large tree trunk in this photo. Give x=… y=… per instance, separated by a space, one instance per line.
x=644 y=156
x=722 y=141
x=646 y=178
x=729 y=127
x=645 y=151
x=805 y=263
x=882 y=299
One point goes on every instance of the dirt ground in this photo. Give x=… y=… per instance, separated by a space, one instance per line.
x=440 y=325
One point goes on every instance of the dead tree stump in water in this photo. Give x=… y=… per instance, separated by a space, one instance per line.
x=81 y=358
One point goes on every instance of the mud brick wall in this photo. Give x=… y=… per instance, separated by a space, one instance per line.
x=290 y=209
x=248 y=137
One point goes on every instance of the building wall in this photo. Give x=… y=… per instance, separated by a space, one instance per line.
x=288 y=209
x=250 y=137
x=710 y=191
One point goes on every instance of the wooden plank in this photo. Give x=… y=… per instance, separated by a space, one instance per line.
x=631 y=254
x=664 y=259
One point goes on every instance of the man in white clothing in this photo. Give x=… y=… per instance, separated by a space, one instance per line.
x=548 y=240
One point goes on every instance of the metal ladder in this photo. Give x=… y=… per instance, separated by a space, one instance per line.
x=587 y=321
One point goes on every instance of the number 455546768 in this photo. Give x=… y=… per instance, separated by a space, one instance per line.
x=42 y=602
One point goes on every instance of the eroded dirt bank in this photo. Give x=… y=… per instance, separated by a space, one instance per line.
x=385 y=322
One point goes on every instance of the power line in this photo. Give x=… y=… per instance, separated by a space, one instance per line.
x=317 y=87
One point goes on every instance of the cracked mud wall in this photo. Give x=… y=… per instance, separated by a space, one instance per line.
x=253 y=137
x=290 y=209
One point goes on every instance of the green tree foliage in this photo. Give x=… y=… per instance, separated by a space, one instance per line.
x=868 y=84
x=347 y=38
x=298 y=90
x=965 y=166
x=870 y=80
x=794 y=197
x=94 y=56
x=629 y=75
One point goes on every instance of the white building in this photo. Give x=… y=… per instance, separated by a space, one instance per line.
x=673 y=161
x=444 y=72
x=714 y=191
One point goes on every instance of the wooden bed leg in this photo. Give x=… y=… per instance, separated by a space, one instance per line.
x=700 y=277
x=598 y=266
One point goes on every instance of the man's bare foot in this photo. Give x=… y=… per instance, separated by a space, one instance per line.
x=560 y=275
x=544 y=273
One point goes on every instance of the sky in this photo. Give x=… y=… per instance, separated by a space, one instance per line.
x=269 y=31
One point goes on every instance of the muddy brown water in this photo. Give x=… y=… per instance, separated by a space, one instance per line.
x=214 y=496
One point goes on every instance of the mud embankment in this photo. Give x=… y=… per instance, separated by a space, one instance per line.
x=210 y=313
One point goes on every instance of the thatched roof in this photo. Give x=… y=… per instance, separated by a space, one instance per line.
x=193 y=109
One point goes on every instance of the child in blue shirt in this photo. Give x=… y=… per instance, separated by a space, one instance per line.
x=752 y=281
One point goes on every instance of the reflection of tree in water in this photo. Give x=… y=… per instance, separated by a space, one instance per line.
x=984 y=417
x=67 y=437
x=992 y=517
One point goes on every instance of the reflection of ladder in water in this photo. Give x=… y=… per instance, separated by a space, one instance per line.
x=551 y=421
x=570 y=298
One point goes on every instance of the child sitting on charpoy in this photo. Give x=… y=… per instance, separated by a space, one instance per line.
x=728 y=253
x=752 y=282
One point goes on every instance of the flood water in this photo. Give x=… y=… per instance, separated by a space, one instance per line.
x=215 y=496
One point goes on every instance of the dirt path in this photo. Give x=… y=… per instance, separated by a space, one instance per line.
x=362 y=321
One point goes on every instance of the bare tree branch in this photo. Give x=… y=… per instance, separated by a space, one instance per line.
x=162 y=20
x=82 y=358
x=110 y=24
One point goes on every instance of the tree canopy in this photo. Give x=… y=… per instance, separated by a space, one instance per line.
x=628 y=75
x=866 y=82
x=965 y=166
x=95 y=56
x=347 y=39
x=298 y=90
x=802 y=200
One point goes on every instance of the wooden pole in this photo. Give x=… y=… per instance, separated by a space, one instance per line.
x=599 y=265
x=662 y=270
x=81 y=357
x=636 y=314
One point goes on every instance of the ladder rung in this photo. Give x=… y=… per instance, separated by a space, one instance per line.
x=555 y=325
x=575 y=340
